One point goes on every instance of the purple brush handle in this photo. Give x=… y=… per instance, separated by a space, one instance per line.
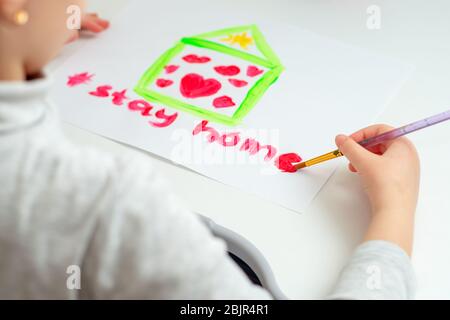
x=395 y=133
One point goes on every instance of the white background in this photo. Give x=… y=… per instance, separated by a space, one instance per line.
x=307 y=251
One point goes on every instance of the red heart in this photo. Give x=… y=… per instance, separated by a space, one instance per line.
x=238 y=83
x=194 y=86
x=162 y=83
x=223 y=102
x=285 y=162
x=253 y=71
x=193 y=58
x=227 y=70
x=171 y=68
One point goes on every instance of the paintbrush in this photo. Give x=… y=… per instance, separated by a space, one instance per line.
x=373 y=141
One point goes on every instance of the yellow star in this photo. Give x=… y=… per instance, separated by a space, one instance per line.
x=243 y=40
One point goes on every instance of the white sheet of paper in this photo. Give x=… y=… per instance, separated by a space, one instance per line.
x=326 y=88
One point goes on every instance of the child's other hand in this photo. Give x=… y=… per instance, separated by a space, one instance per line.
x=389 y=172
x=91 y=22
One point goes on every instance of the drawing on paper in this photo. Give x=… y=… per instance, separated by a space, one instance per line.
x=217 y=76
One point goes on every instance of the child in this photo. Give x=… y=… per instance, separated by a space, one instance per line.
x=112 y=216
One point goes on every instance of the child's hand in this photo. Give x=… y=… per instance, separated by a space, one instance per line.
x=92 y=23
x=389 y=171
x=390 y=176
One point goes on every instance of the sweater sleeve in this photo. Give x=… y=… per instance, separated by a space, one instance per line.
x=148 y=246
x=377 y=270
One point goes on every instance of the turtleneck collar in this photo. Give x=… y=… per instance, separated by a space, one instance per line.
x=22 y=103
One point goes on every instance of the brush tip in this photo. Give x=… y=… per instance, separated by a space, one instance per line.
x=300 y=166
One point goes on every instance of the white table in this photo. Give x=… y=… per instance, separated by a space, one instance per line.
x=307 y=251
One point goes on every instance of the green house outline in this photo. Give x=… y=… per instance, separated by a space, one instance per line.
x=270 y=62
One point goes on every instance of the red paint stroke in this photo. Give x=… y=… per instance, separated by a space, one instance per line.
x=229 y=139
x=253 y=71
x=162 y=83
x=253 y=147
x=101 y=91
x=228 y=70
x=203 y=127
x=238 y=83
x=80 y=78
x=171 y=68
x=119 y=97
x=140 y=105
x=223 y=102
x=285 y=162
x=193 y=85
x=193 y=58
x=167 y=119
